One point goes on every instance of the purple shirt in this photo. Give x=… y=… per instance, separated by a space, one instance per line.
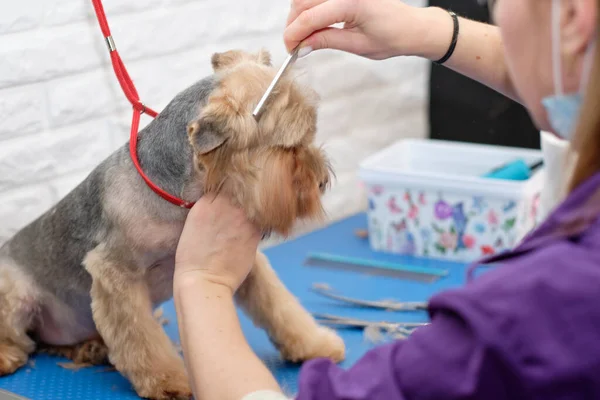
x=529 y=329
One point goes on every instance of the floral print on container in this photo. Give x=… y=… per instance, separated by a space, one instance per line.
x=447 y=225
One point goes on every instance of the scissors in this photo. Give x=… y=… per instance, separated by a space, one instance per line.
x=395 y=329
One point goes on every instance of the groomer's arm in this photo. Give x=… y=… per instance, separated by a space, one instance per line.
x=216 y=252
x=219 y=360
x=380 y=29
x=478 y=53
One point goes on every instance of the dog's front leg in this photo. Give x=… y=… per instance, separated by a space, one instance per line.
x=137 y=345
x=291 y=328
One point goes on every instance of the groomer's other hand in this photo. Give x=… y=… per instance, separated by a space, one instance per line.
x=376 y=29
x=218 y=244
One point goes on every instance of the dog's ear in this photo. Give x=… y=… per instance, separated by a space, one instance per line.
x=203 y=136
x=221 y=60
x=264 y=57
x=228 y=59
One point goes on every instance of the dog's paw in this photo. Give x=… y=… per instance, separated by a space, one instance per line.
x=168 y=393
x=173 y=393
x=11 y=358
x=93 y=352
x=170 y=387
x=322 y=343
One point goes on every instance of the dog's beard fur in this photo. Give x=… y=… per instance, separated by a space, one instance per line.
x=269 y=167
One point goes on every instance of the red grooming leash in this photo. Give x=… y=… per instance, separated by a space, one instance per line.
x=138 y=107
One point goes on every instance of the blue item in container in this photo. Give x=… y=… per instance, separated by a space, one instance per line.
x=515 y=171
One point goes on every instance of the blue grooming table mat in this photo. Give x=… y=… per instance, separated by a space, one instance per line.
x=43 y=379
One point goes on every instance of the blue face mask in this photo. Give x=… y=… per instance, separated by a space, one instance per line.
x=563 y=109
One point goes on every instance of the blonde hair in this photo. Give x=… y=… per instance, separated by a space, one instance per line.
x=586 y=141
x=585 y=152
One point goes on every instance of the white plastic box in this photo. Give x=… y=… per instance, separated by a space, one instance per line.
x=428 y=198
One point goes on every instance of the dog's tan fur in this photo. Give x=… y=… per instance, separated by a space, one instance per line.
x=92 y=352
x=149 y=361
x=273 y=308
x=16 y=312
x=269 y=167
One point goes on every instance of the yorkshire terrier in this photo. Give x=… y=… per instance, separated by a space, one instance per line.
x=83 y=279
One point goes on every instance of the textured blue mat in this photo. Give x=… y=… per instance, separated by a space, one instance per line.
x=44 y=379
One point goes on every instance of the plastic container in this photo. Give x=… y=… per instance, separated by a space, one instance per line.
x=429 y=198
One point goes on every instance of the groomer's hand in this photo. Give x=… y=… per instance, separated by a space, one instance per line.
x=375 y=29
x=218 y=244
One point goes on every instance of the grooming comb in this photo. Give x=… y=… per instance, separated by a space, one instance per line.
x=336 y=320
x=288 y=61
x=4 y=395
x=372 y=267
x=389 y=305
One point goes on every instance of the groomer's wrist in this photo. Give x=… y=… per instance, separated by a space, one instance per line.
x=434 y=33
x=193 y=280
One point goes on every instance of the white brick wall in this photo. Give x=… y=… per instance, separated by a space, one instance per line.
x=62 y=111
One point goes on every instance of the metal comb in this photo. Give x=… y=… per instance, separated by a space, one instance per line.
x=373 y=267
x=388 y=305
x=5 y=395
x=291 y=58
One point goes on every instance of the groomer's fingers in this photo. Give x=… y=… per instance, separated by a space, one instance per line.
x=317 y=18
x=336 y=39
x=299 y=6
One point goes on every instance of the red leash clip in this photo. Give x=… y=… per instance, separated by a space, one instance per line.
x=138 y=107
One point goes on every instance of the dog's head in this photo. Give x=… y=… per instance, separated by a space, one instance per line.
x=270 y=167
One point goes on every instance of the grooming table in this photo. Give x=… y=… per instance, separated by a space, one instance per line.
x=43 y=379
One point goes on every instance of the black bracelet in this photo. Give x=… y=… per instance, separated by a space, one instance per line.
x=454 y=40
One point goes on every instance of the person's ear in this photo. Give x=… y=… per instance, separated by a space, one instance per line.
x=579 y=26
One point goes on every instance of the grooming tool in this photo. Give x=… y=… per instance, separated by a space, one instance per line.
x=372 y=267
x=291 y=58
x=4 y=395
x=389 y=305
x=517 y=170
x=336 y=320
x=372 y=329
